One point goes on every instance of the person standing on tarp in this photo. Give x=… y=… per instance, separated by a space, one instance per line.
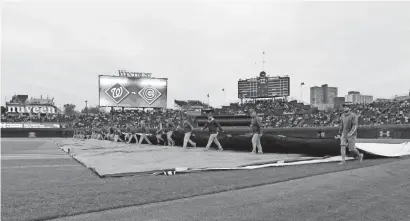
x=144 y=132
x=170 y=130
x=256 y=137
x=348 y=134
x=106 y=132
x=188 y=128
x=133 y=134
x=213 y=126
x=117 y=135
x=127 y=133
x=158 y=135
x=111 y=132
x=99 y=133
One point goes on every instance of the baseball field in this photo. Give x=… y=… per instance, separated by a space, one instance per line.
x=41 y=182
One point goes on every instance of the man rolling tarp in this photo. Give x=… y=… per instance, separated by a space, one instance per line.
x=213 y=126
x=348 y=134
x=256 y=128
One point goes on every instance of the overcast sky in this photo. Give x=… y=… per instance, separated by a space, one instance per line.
x=59 y=49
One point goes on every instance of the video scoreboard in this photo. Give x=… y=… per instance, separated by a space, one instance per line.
x=140 y=92
x=264 y=87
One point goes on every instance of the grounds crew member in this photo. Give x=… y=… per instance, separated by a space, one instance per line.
x=213 y=126
x=132 y=134
x=348 y=134
x=188 y=128
x=257 y=133
x=158 y=135
x=170 y=130
x=144 y=133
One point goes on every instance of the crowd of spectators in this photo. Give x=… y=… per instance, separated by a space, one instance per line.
x=279 y=113
x=274 y=113
x=399 y=114
x=125 y=118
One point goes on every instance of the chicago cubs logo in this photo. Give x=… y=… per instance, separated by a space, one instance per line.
x=384 y=134
x=150 y=94
x=117 y=92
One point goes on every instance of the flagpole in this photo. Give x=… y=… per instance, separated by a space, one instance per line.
x=224 y=96
x=263 y=61
x=209 y=106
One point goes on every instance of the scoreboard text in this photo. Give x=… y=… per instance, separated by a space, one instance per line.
x=264 y=87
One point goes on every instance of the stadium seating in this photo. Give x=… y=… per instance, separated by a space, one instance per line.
x=274 y=114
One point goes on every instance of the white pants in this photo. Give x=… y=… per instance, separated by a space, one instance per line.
x=132 y=136
x=256 y=142
x=99 y=137
x=186 y=139
x=159 y=137
x=116 y=138
x=112 y=136
x=144 y=137
x=127 y=136
x=213 y=138
x=169 y=138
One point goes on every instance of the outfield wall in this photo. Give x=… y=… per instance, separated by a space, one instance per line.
x=380 y=131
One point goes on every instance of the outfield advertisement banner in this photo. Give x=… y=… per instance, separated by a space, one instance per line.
x=42 y=125
x=132 y=92
x=11 y=125
x=30 y=125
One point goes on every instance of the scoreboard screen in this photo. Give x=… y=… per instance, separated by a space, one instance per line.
x=132 y=92
x=264 y=87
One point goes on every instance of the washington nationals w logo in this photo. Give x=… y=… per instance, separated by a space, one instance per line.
x=117 y=92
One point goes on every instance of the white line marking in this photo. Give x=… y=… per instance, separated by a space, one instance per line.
x=22 y=167
x=20 y=140
x=33 y=156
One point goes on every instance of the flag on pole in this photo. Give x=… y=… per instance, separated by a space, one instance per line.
x=208 y=95
x=301 y=84
x=223 y=89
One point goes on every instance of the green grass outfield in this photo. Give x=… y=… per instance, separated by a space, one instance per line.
x=39 y=189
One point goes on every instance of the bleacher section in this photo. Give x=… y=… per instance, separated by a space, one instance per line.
x=273 y=113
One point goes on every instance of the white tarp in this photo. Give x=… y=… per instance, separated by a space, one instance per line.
x=107 y=158
x=384 y=149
